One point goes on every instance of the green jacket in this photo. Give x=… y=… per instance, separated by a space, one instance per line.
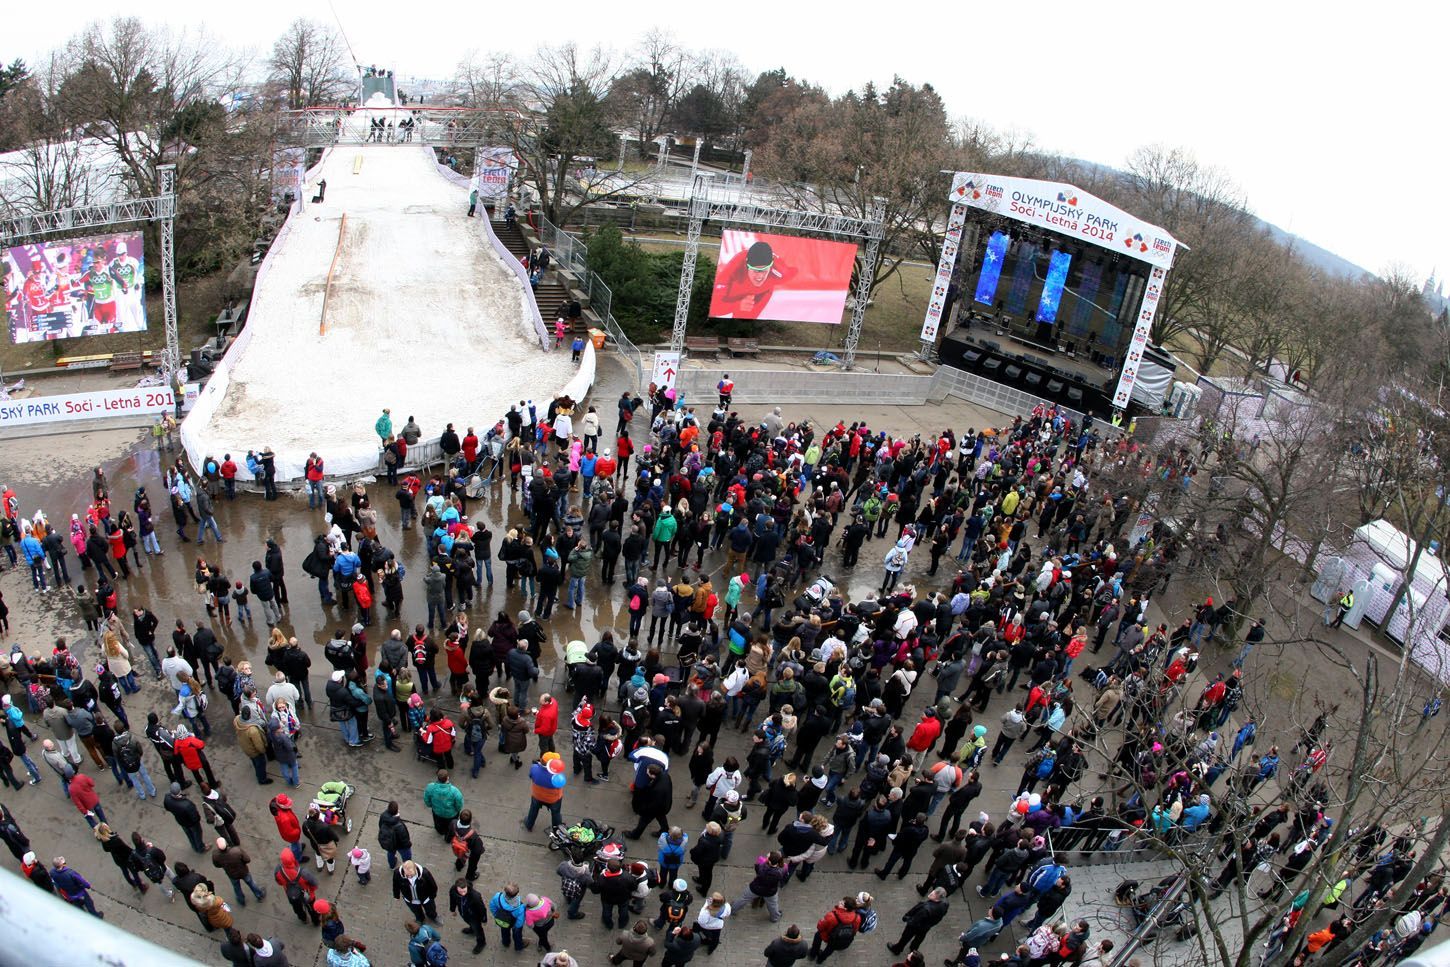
x=579 y=560
x=384 y=427
x=871 y=509
x=443 y=798
x=665 y=528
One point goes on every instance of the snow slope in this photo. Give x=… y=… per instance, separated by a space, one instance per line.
x=423 y=318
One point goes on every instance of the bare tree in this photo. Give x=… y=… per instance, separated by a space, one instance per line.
x=840 y=155
x=646 y=94
x=310 y=66
x=489 y=81
x=1203 y=209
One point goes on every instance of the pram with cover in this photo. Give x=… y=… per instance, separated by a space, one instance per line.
x=331 y=802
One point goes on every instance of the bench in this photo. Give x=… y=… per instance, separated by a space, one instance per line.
x=742 y=347
x=124 y=361
x=702 y=344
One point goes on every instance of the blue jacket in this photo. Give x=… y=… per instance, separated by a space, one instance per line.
x=71 y=884
x=32 y=550
x=347 y=564
x=500 y=907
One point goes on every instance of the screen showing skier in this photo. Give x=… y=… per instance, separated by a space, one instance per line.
x=75 y=287
x=781 y=277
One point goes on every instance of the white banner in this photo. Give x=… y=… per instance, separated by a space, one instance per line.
x=931 y=325
x=1066 y=210
x=1133 y=358
x=492 y=171
x=145 y=401
x=667 y=367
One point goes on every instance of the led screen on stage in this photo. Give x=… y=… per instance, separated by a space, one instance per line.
x=75 y=287
x=1057 y=267
x=781 y=277
x=992 y=268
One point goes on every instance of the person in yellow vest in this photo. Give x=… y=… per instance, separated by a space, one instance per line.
x=1346 y=602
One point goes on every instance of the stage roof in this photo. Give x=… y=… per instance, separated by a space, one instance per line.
x=1062 y=208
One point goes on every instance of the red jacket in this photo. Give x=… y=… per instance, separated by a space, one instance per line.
x=288 y=826
x=83 y=793
x=189 y=749
x=470 y=448
x=925 y=734
x=439 y=735
x=457 y=657
x=547 y=721
x=837 y=915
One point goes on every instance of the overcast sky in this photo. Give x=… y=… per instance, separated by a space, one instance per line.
x=1330 y=116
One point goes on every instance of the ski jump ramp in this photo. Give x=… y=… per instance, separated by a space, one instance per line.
x=423 y=317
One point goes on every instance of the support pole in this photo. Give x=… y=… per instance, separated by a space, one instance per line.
x=171 y=356
x=695 y=163
x=699 y=208
x=864 y=279
x=745 y=174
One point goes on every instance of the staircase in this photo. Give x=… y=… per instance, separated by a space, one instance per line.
x=551 y=296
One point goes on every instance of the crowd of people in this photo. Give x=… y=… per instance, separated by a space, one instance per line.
x=1036 y=632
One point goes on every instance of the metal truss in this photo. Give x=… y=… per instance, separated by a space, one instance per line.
x=318 y=127
x=21 y=227
x=158 y=208
x=716 y=204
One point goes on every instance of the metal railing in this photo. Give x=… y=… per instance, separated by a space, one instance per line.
x=571 y=255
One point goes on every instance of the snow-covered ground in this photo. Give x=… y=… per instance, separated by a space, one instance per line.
x=423 y=318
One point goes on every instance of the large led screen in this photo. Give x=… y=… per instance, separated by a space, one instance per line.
x=781 y=277
x=75 y=287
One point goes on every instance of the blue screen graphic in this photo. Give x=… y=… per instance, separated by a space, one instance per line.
x=1052 y=288
x=992 y=268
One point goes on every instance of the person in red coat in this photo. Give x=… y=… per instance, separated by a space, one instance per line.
x=193 y=755
x=829 y=938
x=546 y=722
x=288 y=825
x=87 y=802
x=298 y=885
x=924 y=736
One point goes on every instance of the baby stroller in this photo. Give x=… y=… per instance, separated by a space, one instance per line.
x=582 y=840
x=816 y=594
x=331 y=802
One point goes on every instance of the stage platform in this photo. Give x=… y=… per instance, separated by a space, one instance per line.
x=1014 y=360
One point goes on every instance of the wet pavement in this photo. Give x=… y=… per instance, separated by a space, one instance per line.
x=60 y=484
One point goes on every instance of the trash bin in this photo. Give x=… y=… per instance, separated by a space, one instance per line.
x=597 y=336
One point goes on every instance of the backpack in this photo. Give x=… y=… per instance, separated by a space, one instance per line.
x=129 y=756
x=842 y=934
x=460 y=844
x=1045 y=767
x=436 y=955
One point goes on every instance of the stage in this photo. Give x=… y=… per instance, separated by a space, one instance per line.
x=1050 y=290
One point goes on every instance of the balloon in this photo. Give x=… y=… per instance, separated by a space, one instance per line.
x=556 y=766
x=1034 y=800
x=1022 y=808
x=557 y=781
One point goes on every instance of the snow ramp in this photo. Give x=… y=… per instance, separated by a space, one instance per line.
x=422 y=317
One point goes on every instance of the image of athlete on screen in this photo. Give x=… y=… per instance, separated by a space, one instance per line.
x=747 y=282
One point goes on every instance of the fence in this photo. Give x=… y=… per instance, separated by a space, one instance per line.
x=950 y=381
x=799 y=386
x=572 y=255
